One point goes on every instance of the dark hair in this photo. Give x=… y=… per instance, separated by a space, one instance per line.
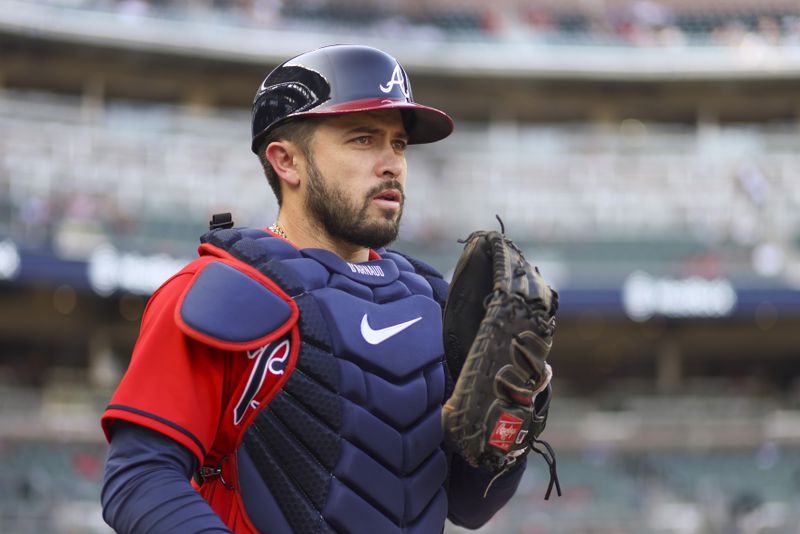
x=299 y=132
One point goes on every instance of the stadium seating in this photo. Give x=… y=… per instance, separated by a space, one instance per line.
x=608 y=22
x=107 y=176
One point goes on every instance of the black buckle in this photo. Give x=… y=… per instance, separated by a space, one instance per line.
x=220 y=220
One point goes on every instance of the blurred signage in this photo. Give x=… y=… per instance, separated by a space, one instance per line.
x=639 y=296
x=9 y=260
x=644 y=296
x=110 y=270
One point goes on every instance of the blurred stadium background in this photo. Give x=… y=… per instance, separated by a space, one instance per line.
x=645 y=154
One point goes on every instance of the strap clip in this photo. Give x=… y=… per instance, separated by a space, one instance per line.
x=220 y=220
x=207 y=472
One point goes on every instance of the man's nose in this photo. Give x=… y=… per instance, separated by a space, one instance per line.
x=392 y=163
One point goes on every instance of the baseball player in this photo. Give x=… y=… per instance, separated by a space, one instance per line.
x=292 y=379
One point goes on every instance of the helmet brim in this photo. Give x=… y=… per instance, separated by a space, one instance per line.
x=428 y=124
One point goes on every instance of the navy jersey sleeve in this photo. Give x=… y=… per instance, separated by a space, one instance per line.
x=467 y=506
x=146 y=486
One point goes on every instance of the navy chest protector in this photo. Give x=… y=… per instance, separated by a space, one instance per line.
x=352 y=441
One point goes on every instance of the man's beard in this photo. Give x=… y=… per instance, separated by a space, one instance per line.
x=341 y=220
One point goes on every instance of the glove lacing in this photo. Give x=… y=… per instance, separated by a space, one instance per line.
x=549 y=456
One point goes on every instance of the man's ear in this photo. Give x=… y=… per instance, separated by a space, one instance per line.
x=282 y=155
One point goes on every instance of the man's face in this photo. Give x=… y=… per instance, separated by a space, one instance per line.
x=356 y=173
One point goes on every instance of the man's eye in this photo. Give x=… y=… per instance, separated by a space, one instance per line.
x=363 y=140
x=400 y=145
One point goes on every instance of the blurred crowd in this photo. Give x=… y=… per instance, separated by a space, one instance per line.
x=610 y=22
x=113 y=185
x=72 y=223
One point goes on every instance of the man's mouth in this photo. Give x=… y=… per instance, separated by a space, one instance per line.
x=389 y=198
x=389 y=194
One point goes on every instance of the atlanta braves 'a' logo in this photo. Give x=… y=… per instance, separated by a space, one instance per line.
x=270 y=358
x=398 y=78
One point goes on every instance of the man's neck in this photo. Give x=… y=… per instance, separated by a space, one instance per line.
x=304 y=234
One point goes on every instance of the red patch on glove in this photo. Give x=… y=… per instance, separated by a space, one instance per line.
x=505 y=431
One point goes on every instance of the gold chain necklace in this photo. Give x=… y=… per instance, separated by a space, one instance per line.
x=276 y=228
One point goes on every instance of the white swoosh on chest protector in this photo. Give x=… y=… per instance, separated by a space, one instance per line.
x=373 y=337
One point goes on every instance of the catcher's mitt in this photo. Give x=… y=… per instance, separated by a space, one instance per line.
x=499 y=321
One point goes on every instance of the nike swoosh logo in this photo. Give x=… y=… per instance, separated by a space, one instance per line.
x=373 y=337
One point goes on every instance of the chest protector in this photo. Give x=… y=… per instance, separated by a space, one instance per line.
x=350 y=440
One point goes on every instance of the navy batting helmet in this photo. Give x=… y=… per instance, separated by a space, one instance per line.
x=343 y=79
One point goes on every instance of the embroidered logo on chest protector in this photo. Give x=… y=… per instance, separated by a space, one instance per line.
x=269 y=359
x=370 y=270
x=373 y=337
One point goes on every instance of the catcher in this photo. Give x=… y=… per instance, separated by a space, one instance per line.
x=294 y=379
